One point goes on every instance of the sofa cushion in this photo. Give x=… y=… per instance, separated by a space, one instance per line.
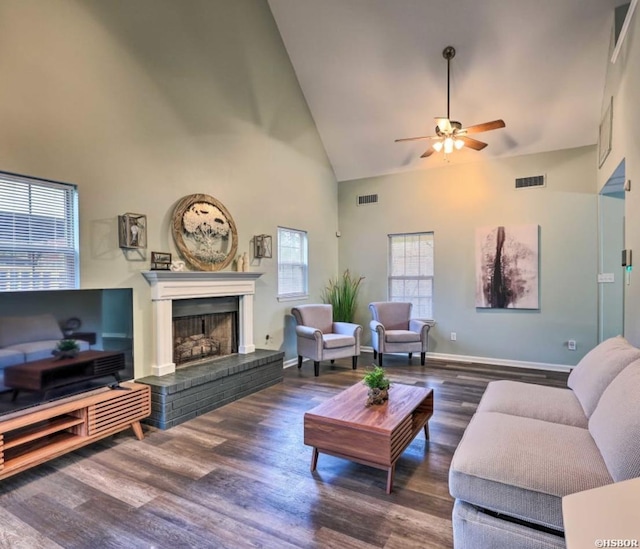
x=335 y=341
x=474 y=528
x=24 y=329
x=393 y=315
x=535 y=401
x=317 y=316
x=10 y=357
x=615 y=424
x=401 y=336
x=522 y=467
x=597 y=369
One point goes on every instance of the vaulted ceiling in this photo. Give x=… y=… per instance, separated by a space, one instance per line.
x=373 y=71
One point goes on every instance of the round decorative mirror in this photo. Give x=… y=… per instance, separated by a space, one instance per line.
x=204 y=232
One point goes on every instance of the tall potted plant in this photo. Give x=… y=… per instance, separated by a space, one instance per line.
x=342 y=294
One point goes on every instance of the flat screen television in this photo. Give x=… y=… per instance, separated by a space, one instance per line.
x=100 y=320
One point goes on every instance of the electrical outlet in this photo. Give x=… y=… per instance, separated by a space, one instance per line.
x=454 y=336
x=571 y=344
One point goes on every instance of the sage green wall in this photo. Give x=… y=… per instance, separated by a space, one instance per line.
x=452 y=201
x=143 y=102
x=623 y=83
x=611 y=242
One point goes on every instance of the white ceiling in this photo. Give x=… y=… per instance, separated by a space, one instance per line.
x=372 y=71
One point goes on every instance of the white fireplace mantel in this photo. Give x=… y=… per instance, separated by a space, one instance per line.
x=167 y=286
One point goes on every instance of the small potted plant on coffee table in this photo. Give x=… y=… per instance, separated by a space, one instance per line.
x=378 y=384
x=66 y=348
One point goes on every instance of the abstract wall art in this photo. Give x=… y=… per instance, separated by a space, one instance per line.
x=507 y=267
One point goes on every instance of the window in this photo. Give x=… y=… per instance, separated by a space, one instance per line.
x=38 y=234
x=411 y=271
x=293 y=263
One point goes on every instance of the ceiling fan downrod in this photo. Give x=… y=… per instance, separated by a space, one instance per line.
x=448 y=53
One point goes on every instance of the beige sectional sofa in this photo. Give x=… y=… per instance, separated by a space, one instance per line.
x=527 y=446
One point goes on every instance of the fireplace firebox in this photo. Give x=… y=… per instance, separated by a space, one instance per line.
x=204 y=328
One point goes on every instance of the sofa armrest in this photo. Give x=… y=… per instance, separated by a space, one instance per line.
x=420 y=326
x=376 y=327
x=308 y=332
x=346 y=328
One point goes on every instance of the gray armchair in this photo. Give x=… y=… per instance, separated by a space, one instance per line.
x=320 y=338
x=394 y=331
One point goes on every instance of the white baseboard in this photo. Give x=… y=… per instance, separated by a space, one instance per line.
x=477 y=359
x=496 y=361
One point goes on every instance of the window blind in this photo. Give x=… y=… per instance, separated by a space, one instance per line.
x=411 y=271
x=38 y=234
x=292 y=262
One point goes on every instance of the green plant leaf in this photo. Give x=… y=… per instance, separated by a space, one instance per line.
x=342 y=294
x=376 y=378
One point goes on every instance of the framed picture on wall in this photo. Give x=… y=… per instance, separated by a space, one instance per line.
x=604 y=134
x=160 y=261
x=507 y=267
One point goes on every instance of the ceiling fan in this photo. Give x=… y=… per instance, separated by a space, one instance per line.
x=449 y=133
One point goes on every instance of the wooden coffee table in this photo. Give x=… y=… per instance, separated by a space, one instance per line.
x=376 y=436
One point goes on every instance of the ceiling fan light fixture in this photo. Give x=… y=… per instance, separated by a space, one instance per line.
x=459 y=143
x=437 y=146
x=448 y=145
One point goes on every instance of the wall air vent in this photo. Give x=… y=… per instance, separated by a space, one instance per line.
x=367 y=199
x=528 y=182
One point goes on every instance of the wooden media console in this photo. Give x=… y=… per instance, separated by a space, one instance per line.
x=51 y=430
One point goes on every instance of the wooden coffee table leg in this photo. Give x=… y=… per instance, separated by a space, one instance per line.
x=426 y=430
x=392 y=470
x=314 y=459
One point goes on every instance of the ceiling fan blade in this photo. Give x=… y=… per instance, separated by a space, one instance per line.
x=472 y=143
x=428 y=152
x=415 y=138
x=444 y=124
x=477 y=128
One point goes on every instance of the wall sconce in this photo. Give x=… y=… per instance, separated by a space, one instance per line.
x=262 y=246
x=132 y=231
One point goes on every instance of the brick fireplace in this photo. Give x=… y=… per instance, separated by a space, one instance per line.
x=216 y=379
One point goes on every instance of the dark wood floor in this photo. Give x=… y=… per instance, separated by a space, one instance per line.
x=239 y=476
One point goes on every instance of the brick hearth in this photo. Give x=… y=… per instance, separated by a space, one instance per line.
x=197 y=389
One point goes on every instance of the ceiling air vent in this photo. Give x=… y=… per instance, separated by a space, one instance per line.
x=528 y=182
x=367 y=199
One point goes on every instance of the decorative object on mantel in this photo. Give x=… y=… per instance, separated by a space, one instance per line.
x=204 y=232
x=66 y=348
x=378 y=385
x=132 y=231
x=160 y=261
x=178 y=266
x=242 y=263
x=262 y=247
